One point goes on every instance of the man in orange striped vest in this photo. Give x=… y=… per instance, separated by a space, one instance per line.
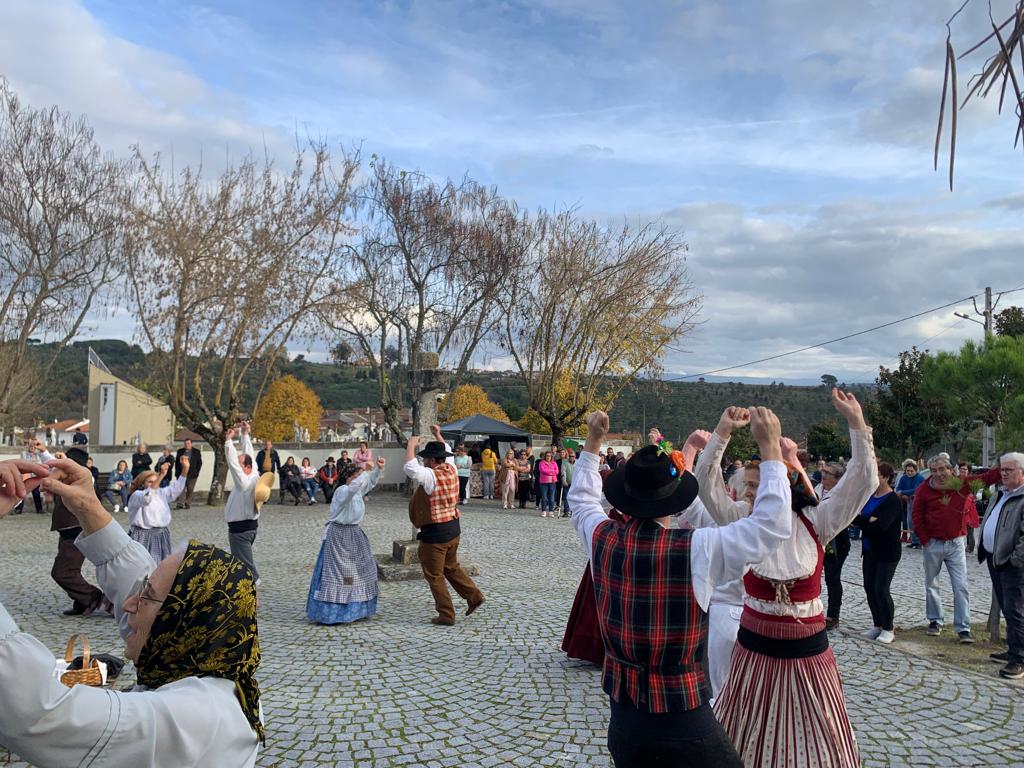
x=439 y=539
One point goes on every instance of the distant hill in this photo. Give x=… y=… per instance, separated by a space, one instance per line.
x=676 y=408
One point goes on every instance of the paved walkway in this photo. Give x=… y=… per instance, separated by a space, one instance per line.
x=495 y=689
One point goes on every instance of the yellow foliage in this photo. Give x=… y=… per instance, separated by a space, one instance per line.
x=287 y=401
x=468 y=400
x=534 y=423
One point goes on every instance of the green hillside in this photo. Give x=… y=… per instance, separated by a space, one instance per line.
x=675 y=407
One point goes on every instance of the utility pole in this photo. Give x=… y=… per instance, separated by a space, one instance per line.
x=987 y=434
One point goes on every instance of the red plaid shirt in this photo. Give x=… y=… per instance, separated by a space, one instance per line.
x=655 y=633
x=445 y=498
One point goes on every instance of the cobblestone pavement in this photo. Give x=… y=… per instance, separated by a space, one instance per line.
x=495 y=689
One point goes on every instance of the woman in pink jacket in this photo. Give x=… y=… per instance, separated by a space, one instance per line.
x=548 y=481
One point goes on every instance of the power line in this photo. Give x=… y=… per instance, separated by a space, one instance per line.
x=830 y=341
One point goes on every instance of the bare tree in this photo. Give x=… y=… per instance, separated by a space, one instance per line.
x=224 y=273
x=61 y=232
x=426 y=273
x=1001 y=45
x=600 y=307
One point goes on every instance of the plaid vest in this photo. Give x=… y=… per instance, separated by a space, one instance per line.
x=655 y=634
x=445 y=498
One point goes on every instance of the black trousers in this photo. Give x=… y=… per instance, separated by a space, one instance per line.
x=701 y=742
x=524 y=488
x=877 y=582
x=833 y=578
x=463 y=488
x=1008 y=582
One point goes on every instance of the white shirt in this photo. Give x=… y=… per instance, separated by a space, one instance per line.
x=728 y=592
x=151 y=507
x=798 y=556
x=241 y=503
x=347 y=507
x=192 y=722
x=716 y=554
x=988 y=533
x=423 y=475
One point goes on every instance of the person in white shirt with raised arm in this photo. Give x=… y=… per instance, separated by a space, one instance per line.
x=250 y=491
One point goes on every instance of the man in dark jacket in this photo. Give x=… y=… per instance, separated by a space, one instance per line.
x=1002 y=548
x=195 y=463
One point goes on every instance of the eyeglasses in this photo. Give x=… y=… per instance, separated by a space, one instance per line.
x=146 y=593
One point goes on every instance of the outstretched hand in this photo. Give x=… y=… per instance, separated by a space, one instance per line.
x=435 y=430
x=732 y=418
x=698 y=439
x=767 y=431
x=17 y=480
x=380 y=462
x=653 y=436
x=74 y=484
x=846 y=403
x=789 y=451
x=230 y=434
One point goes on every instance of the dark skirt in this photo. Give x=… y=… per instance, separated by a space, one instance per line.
x=582 y=633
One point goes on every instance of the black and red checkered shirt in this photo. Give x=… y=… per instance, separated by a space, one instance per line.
x=655 y=634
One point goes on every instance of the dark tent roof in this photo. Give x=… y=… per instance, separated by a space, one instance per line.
x=478 y=424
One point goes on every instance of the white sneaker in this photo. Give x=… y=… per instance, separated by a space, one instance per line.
x=871 y=634
x=885 y=636
x=117 y=508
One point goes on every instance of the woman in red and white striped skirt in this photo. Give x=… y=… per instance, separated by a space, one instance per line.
x=782 y=704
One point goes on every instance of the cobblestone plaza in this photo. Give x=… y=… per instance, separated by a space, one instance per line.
x=495 y=689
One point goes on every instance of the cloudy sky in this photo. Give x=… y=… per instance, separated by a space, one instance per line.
x=790 y=140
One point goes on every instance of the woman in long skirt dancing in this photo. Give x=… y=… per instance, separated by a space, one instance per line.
x=149 y=508
x=344 y=586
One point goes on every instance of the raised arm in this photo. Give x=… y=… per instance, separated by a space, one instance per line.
x=414 y=470
x=708 y=471
x=585 y=491
x=722 y=554
x=231 y=455
x=846 y=500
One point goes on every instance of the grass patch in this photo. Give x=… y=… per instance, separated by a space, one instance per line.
x=948 y=648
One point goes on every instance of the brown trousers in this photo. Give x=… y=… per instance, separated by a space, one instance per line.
x=440 y=562
x=190 y=488
x=67 y=572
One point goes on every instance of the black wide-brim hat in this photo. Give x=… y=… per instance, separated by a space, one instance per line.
x=649 y=485
x=435 y=449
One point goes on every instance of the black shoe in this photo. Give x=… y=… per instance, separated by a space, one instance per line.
x=1012 y=671
x=75 y=610
x=934 y=629
x=187 y=505
x=966 y=638
x=1000 y=658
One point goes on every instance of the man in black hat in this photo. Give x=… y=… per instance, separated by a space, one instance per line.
x=67 y=565
x=439 y=538
x=653 y=585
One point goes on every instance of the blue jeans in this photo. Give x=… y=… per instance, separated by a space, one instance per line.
x=953 y=553
x=310 y=487
x=547 y=497
x=487 y=476
x=910 y=524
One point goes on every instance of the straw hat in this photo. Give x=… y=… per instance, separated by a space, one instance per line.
x=261 y=494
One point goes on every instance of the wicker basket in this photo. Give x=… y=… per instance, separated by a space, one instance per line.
x=89 y=674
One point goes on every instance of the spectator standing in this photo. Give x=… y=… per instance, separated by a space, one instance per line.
x=328 y=478
x=79 y=438
x=1001 y=548
x=91 y=466
x=195 y=464
x=488 y=470
x=309 y=484
x=610 y=458
x=117 y=486
x=464 y=468
x=141 y=461
x=547 y=474
x=508 y=478
x=559 y=458
x=568 y=468
x=836 y=551
x=168 y=459
x=363 y=454
x=881 y=520
x=941 y=511
x=906 y=487
x=524 y=471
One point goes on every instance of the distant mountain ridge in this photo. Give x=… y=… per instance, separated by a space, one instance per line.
x=676 y=407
